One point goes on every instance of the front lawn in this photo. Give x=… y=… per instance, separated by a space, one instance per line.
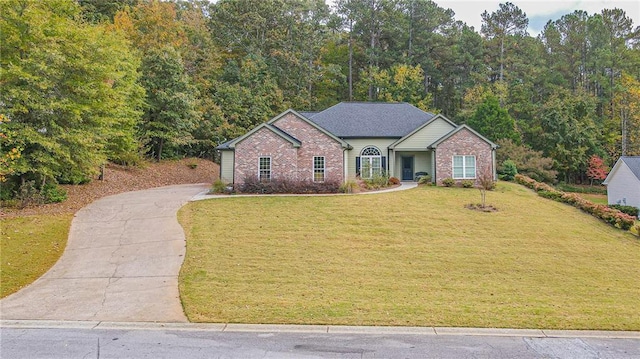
x=29 y=246
x=415 y=258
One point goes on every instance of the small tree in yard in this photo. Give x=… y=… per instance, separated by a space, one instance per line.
x=597 y=169
x=485 y=183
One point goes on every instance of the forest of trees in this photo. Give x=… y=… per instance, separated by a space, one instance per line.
x=88 y=81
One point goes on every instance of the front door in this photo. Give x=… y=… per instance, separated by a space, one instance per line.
x=407 y=168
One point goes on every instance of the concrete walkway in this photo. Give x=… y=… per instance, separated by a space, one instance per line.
x=121 y=263
x=403 y=186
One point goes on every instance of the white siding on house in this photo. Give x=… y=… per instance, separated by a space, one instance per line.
x=425 y=136
x=226 y=166
x=358 y=144
x=623 y=187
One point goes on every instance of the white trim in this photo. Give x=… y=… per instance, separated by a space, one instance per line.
x=260 y=167
x=464 y=167
x=324 y=168
x=370 y=159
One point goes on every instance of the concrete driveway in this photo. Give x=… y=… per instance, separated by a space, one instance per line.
x=121 y=263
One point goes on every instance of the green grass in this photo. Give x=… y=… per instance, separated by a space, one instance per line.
x=595 y=198
x=415 y=257
x=29 y=246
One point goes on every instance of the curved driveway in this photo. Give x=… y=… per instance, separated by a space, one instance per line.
x=121 y=263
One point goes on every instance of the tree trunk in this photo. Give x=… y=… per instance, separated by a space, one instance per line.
x=160 y=145
x=350 y=60
x=501 y=58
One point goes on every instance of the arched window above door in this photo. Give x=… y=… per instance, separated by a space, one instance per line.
x=371 y=162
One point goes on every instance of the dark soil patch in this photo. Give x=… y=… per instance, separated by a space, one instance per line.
x=481 y=208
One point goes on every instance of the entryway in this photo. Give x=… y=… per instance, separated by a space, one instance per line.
x=407 y=168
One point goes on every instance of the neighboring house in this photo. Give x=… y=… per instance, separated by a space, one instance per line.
x=623 y=182
x=354 y=139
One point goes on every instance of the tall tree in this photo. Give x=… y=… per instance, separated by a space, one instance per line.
x=401 y=83
x=103 y=10
x=569 y=133
x=248 y=95
x=508 y=21
x=493 y=121
x=69 y=90
x=170 y=115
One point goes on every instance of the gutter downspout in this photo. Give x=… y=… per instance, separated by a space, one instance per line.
x=345 y=168
x=433 y=166
x=493 y=162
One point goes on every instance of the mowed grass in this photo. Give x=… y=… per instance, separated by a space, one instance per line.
x=595 y=198
x=29 y=246
x=410 y=258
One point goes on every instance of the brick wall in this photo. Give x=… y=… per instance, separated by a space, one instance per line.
x=287 y=161
x=463 y=143
x=264 y=143
x=314 y=143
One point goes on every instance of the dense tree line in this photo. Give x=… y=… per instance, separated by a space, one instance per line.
x=87 y=81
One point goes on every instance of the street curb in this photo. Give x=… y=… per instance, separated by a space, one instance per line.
x=319 y=329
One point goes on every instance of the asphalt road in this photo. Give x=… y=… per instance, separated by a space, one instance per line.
x=154 y=341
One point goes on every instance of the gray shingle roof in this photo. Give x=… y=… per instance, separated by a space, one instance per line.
x=633 y=162
x=308 y=114
x=371 y=119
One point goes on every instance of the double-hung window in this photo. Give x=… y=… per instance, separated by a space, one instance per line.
x=318 y=169
x=464 y=167
x=264 y=169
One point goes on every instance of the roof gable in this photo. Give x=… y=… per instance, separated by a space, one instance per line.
x=295 y=142
x=632 y=162
x=371 y=119
x=429 y=122
x=311 y=123
x=230 y=145
x=458 y=129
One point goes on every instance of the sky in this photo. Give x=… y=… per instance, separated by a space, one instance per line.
x=538 y=12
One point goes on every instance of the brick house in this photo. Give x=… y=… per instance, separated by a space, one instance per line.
x=354 y=139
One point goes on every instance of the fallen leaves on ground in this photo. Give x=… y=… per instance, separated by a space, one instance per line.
x=119 y=179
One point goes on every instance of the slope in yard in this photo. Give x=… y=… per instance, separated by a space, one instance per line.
x=417 y=257
x=119 y=179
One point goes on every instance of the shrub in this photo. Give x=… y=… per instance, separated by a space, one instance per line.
x=281 y=185
x=528 y=162
x=29 y=195
x=426 y=179
x=394 y=181
x=554 y=195
x=349 y=186
x=448 y=182
x=379 y=180
x=607 y=214
x=52 y=193
x=508 y=170
x=467 y=183
x=630 y=210
x=218 y=186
